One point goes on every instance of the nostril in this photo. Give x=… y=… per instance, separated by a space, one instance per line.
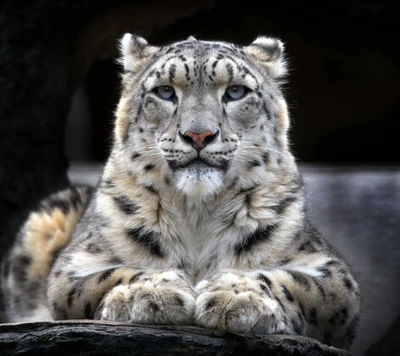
x=210 y=138
x=186 y=138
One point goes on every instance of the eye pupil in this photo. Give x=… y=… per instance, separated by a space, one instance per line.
x=165 y=92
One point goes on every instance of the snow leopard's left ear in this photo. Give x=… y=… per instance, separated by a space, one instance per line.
x=268 y=52
x=135 y=52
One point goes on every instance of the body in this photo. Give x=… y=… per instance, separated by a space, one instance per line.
x=199 y=217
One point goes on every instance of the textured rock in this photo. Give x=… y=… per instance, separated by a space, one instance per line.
x=88 y=338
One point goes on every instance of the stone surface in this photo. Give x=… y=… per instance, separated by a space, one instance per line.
x=88 y=338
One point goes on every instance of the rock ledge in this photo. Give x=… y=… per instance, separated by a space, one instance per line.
x=98 y=338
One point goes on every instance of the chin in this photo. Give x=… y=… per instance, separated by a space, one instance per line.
x=198 y=181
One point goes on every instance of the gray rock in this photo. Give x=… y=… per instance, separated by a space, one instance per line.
x=95 y=338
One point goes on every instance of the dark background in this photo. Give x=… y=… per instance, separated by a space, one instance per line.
x=59 y=86
x=343 y=85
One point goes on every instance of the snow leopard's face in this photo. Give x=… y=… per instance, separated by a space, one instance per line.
x=207 y=115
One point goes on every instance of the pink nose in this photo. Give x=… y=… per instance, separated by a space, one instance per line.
x=198 y=140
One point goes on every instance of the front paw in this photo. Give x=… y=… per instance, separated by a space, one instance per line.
x=237 y=303
x=164 y=298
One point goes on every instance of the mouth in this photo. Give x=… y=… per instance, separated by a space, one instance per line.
x=197 y=160
x=197 y=163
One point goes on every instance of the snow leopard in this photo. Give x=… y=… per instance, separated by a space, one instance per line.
x=199 y=217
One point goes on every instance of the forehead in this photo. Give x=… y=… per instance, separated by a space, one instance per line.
x=202 y=61
x=201 y=49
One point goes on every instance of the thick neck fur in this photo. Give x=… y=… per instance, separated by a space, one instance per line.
x=202 y=232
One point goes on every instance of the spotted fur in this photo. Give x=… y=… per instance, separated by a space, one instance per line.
x=199 y=216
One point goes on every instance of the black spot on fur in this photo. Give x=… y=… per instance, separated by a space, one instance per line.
x=126 y=205
x=246 y=190
x=118 y=282
x=253 y=163
x=347 y=283
x=211 y=303
x=255 y=238
x=302 y=310
x=321 y=290
x=151 y=189
x=70 y=298
x=94 y=248
x=5 y=268
x=172 y=71
x=147 y=240
x=229 y=68
x=332 y=263
x=284 y=204
x=179 y=300
x=325 y=272
x=58 y=203
x=267 y=112
x=247 y=200
x=149 y=167
x=116 y=260
x=297 y=329
x=301 y=319
x=182 y=264
x=135 y=277
x=105 y=275
x=224 y=164
x=264 y=288
x=265 y=279
x=307 y=247
x=135 y=155
x=154 y=307
x=187 y=71
x=287 y=293
x=350 y=333
x=344 y=314
x=167 y=180
x=23 y=260
x=280 y=303
x=108 y=183
x=20 y=267
x=285 y=261
x=335 y=316
x=299 y=278
x=313 y=316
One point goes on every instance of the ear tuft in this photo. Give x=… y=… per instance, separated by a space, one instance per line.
x=268 y=52
x=191 y=39
x=134 y=50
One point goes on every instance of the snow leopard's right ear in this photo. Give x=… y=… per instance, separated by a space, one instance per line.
x=135 y=52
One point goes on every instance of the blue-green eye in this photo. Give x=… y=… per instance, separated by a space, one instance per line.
x=165 y=92
x=235 y=92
